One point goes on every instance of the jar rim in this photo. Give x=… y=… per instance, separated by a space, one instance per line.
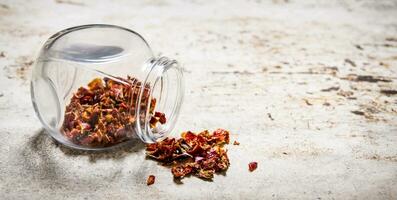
x=167 y=75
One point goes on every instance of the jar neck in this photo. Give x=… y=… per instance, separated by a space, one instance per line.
x=164 y=78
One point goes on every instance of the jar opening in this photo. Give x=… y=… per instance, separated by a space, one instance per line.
x=165 y=80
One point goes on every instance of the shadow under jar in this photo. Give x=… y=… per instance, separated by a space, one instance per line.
x=98 y=86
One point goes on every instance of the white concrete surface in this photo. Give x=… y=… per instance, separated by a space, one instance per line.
x=244 y=60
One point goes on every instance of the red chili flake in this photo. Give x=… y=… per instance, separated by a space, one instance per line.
x=150 y=180
x=236 y=143
x=206 y=173
x=102 y=114
x=161 y=117
x=153 y=121
x=199 y=154
x=221 y=136
x=252 y=166
x=181 y=171
x=157 y=117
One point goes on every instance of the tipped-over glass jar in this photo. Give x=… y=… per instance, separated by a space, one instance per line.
x=98 y=86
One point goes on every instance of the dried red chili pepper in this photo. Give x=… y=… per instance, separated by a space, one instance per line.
x=150 y=180
x=103 y=113
x=252 y=166
x=199 y=154
x=161 y=117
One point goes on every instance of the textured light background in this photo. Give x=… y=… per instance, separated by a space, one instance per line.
x=245 y=61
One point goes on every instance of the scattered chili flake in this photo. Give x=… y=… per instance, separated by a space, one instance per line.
x=199 y=154
x=103 y=113
x=252 y=166
x=236 y=143
x=150 y=180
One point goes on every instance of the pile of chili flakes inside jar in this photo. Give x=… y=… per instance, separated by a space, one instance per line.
x=201 y=154
x=103 y=114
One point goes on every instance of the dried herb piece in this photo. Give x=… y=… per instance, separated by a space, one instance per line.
x=252 y=166
x=103 y=113
x=150 y=180
x=199 y=154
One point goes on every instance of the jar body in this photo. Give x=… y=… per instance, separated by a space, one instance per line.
x=97 y=86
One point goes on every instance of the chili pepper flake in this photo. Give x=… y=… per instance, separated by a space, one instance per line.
x=150 y=180
x=201 y=154
x=252 y=166
x=157 y=117
x=236 y=143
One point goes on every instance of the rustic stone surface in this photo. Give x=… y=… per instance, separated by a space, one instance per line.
x=262 y=69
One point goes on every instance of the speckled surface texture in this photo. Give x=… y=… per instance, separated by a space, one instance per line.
x=308 y=88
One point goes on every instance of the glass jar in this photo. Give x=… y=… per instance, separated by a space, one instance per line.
x=98 y=86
